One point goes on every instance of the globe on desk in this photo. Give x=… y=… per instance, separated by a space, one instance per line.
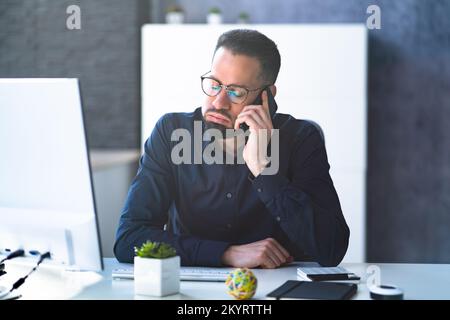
x=241 y=284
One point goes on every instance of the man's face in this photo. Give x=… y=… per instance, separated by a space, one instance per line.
x=229 y=69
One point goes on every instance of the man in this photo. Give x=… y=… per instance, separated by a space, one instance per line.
x=234 y=214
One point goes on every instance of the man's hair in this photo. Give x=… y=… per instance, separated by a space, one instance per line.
x=253 y=44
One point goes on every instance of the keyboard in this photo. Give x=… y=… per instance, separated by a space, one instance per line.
x=186 y=273
x=204 y=274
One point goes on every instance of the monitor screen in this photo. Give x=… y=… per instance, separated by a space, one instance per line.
x=46 y=193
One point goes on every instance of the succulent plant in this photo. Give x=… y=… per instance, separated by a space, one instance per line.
x=215 y=10
x=155 y=250
x=174 y=8
x=244 y=15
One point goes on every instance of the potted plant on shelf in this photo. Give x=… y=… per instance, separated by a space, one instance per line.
x=214 y=16
x=243 y=18
x=174 y=14
x=156 y=269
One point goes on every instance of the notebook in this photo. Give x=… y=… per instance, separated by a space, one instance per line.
x=339 y=274
x=293 y=289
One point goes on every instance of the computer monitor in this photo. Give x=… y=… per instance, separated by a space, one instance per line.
x=46 y=191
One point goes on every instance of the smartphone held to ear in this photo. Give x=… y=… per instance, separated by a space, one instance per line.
x=272 y=106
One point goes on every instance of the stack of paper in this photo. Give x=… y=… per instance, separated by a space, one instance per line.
x=335 y=274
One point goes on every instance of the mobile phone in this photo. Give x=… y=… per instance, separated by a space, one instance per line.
x=272 y=106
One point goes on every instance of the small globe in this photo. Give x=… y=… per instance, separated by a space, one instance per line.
x=241 y=284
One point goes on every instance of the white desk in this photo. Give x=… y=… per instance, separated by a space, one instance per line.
x=419 y=281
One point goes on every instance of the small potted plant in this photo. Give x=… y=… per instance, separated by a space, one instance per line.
x=174 y=15
x=243 y=18
x=156 y=269
x=214 y=16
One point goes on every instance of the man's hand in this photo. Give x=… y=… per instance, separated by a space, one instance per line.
x=266 y=253
x=260 y=125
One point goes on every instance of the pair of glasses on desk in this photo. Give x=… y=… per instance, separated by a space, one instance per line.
x=186 y=274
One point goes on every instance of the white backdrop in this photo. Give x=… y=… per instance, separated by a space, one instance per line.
x=323 y=78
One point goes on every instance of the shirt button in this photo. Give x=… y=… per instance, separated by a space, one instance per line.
x=259 y=190
x=278 y=219
x=229 y=195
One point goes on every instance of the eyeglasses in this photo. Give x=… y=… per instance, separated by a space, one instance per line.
x=237 y=94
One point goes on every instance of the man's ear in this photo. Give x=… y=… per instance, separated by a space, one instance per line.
x=273 y=89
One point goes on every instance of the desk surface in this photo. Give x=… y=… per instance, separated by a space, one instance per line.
x=105 y=158
x=418 y=281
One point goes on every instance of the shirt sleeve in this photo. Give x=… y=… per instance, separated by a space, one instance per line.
x=146 y=208
x=306 y=204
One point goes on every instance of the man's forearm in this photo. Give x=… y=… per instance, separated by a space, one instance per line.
x=319 y=231
x=192 y=250
x=319 y=228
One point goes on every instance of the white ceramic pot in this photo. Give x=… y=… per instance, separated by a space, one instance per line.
x=156 y=277
x=214 y=18
x=174 y=18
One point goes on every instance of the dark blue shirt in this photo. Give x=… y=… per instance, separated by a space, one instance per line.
x=202 y=209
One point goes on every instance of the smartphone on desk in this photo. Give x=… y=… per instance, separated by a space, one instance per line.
x=272 y=106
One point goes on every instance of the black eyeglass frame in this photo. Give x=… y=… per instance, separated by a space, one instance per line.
x=222 y=86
